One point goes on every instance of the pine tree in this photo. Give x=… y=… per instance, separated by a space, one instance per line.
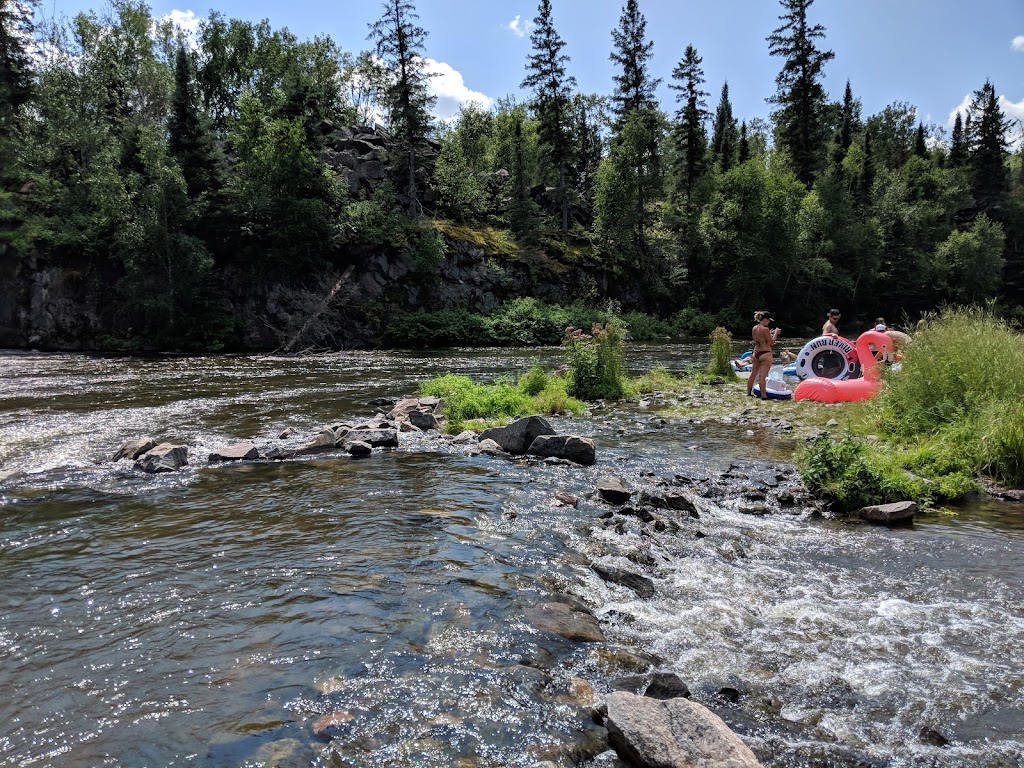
x=744 y=152
x=689 y=132
x=958 y=145
x=400 y=43
x=990 y=181
x=634 y=86
x=867 y=174
x=188 y=138
x=724 y=136
x=552 y=89
x=920 y=147
x=634 y=96
x=800 y=95
x=849 y=122
x=15 y=74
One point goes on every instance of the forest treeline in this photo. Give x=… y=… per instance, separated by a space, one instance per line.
x=155 y=162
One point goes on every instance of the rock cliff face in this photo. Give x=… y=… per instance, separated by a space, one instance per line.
x=51 y=307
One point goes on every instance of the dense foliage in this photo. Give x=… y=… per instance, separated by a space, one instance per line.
x=152 y=168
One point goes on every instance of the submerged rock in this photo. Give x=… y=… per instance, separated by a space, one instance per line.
x=676 y=732
x=565 y=620
x=642 y=585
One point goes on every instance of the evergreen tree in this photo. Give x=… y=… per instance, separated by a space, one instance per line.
x=744 y=151
x=920 y=147
x=634 y=96
x=188 y=138
x=724 y=136
x=867 y=173
x=15 y=62
x=552 y=89
x=400 y=43
x=849 y=122
x=689 y=131
x=990 y=181
x=634 y=86
x=800 y=95
x=958 y=145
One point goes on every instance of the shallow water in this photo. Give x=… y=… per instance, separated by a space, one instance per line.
x=212 y=616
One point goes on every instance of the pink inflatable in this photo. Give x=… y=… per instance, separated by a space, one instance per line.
x=850 y=390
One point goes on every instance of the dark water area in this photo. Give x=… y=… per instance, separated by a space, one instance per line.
x=212 y=616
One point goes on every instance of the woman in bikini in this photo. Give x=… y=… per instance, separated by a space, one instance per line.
x=762 y=357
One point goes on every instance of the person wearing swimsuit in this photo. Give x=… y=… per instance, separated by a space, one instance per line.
x=761 y=360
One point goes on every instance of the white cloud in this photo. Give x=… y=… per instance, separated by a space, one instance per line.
x=1017 y=44
x=451 y=91
x=186 y=21
x=521 y=28
x=1012 y=111
x=963 y=108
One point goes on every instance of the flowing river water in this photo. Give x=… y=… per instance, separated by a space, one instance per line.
x=209 y=617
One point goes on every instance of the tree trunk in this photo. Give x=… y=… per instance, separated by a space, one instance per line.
x=321 y=308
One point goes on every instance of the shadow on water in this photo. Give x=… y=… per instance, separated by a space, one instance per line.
x=223 y=614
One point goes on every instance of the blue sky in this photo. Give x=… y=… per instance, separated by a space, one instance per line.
x=930 y=53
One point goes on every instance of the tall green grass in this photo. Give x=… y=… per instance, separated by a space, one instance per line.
x=721 y=354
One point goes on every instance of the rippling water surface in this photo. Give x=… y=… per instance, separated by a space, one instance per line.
x=211 y=617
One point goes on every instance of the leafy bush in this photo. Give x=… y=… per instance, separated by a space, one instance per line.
x=595 y=362
x=533 y=382
x=457 y=328
x=428 y=250
x=721 y=354
x=644 y=327
x=656 y=380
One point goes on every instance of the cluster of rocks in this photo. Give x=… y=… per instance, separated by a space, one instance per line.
x=531 y=436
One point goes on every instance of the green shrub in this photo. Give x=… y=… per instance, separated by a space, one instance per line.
x=533 y=382
x=644 y=327
x=458 y=328
x=721 y=354
x=656 y=380
x=595 y=362
x=428 y=250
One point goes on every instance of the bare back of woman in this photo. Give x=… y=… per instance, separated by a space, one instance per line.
x=761 y=360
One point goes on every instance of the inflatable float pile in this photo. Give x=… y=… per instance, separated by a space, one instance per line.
x=827 y=355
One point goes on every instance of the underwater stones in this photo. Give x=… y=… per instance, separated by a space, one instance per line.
x=566 y=621
x=642 y=585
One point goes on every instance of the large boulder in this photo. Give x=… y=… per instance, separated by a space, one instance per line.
x=423 y=420
x=887 y=514
x=676 y=732
x=518 y=436
x=579 y=450
x=134 y=448
x=165 y=457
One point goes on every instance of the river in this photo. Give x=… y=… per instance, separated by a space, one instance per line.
x=211 y=616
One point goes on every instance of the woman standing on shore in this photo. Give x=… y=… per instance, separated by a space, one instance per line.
x=761 y=360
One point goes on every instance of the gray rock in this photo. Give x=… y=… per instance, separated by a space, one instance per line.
x=579 y=450
x=274 y=453
x=565 y=620
x=490 y=447
x=667 y=685
x=403 y=408
x=681 y=503
x=676 y=732
x=466 y=437
x=359 y=448
x=236 y=452
x=435 y=404
x=423 y=420
x=897 y=512
x=754 y=508
x=134 y=448
x=643 y=586
x=378 y=438
x=518 y=436
x=405 y=426
x=323 y=442
x=612 y=490
x=165 y=457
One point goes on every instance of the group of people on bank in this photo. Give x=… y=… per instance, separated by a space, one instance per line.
x=765 y=338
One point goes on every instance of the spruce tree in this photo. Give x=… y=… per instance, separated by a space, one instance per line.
x=188 y=138
x=724 y=136
x=552 y=89
x=920 y=146
x=400 y=43
x=800 y=95
x=744 y=152
x=958 y=144
x=634 y=96
x=990 y=181
x=689 y=131
x=15 y=73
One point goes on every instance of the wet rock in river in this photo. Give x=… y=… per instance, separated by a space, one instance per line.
x=566 y=500
x=520 y=435
x=491 y=448
x=327 y=727
x=424 y=420
x=165 y=457
x=134 y=448
x=237 y=452
x=897 y=512
x=465 y=437
x=667 y=685
x=612 y=490
x=754 y=508
x=929 y=735
x=579 y=450
x=642 y=585
x=376 y=437
x=358 y=448
x=675 y=732
x=323 y=442
x=566 y=621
